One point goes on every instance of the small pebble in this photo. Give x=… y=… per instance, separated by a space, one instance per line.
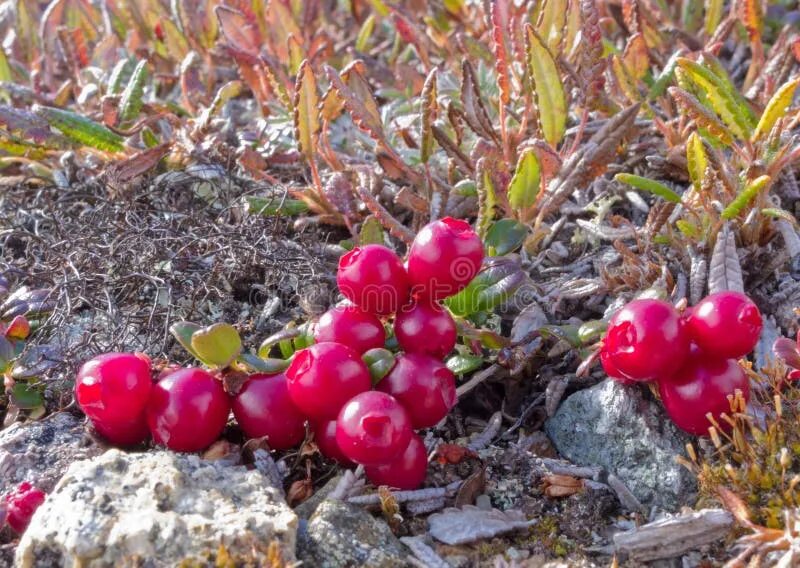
x=483 y=502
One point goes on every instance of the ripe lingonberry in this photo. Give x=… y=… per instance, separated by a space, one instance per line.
x=124 y=434
x=325 y=437
x=425 y=327
x=351 y=326
x=324 y=376
x=423 y=385
x=188 y=410
x=263 y=408
x=612 y=371
x=646 y=339
x=114 y=387
x=373 y=278
x=700 y=387
x=21 y=504
x=373 y=428
x=405 y=472
x=444 y=257
x=725 y=325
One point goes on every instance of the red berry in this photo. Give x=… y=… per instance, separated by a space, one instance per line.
x=263 y=408
x=646 y=339
x=701 y=386
x=373 y=428
x=405 y=472
x=114 y=387
x=425 y=327
x=373 y=278
x=21 y=504
x=612 y=371
x=124 y=434
x=423 y=385
x=444 y=257
x=325 y=437
x=188 y=410
x=725 y=325
x=351 y=326
x=323 y=377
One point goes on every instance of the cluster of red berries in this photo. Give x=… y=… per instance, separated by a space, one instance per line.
x=20 y=504
x=327 y=384
x=693 y=356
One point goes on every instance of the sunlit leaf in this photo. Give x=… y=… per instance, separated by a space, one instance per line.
x=275 y=206
x=776 y=108
x=365 y=33
x=524 y=186
x=505 y=236
x=217 y=345
x=649 y=185
x=550 y=26
x=551 y=99
x=696 y=160
x=714 y=11
x=747 y=195
x=635 y=56
x=81 y=129
x=306 y=113
x=499 y=13
x=239 y=33
x=183 y=331
x=131 y=100
x=702 y=116
x=461 y=364
x=487 y=198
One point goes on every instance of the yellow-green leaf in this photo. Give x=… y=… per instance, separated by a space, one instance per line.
x=217 y=345
x=703 y=117
x=524 y=185
x=649 y=185
x=551 y=99
x=5 y=70
x=306 y=114
x=551 y=22
x=427 y=114
x=636 y=57
x=745 y=197
x=714 y=10
x=776 y=108
x=130 y=103
x=696 y=159
x=365 y=33
x=81 y=129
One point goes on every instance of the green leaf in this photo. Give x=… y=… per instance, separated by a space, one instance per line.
x=492 y=286
x=26 y=397
x=714 y=11
x=80 y=129
x=183 y=332
x=379 y=361
x=365 y=33
x=665 y=77
x=217 y=345
x=696 y=160
x=466 y=188
x=130 y=104
x=524 y=186
x=268 y=366
x=487 y=198
x=776 y=108
x=275 y=206
x=461 y=364
x=306 y=112
x=7 y=354
x=591 y=331
x=5 y=70
x=650 y=186
x=371 y=232
x=120 y=75
x=505 y=236
x=551 y=101
x=745 y=197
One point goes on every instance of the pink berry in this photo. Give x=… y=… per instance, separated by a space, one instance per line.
x=700 y=387
x=425 y=327
x=373 y=278
x=351 y=326
x=444 y=257
x=646 y=339
x=114 y=387
x=21 y=504
x=263 y=408
x=405 y=472
x=124 y=434
x=323 y=377
x=373 y=428
x=725 y=325
x=325 y=437
x=188 y=410
x=423 y=385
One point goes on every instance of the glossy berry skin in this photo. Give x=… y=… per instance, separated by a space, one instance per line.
x=325 y=437
x=444 y=257
x=263 y=408
x=425 y=327
x=21 y=504
x=405 y=472
x=124 y=434
x=373 y=278
x=323 y=377
x=373 y=428
x=612 y=371
x=701 y=386
x=114 y=387
x=351 y=326
x=188 y=410
x=423 y=385
x=725 y=324
x=646 y=339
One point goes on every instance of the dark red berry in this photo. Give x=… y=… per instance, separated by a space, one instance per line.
x=351 y=326
x=373 y=278
x=423 y=385
x=373 y=428
x=405 y=472
x=612 y=371
x=323 y=377
x=188 y=410
x=114 y=387
x=263 y=408
x=646 y=339
x=701 y=386
x=444 y=257
x=124 y=434
x=425 y=327
x=325 y=437
x=725 y=325
x=21 y=504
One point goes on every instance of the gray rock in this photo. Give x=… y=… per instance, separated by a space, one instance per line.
x=40 y=451
x=156 y=509
x=618 y=428
x=341 y=535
